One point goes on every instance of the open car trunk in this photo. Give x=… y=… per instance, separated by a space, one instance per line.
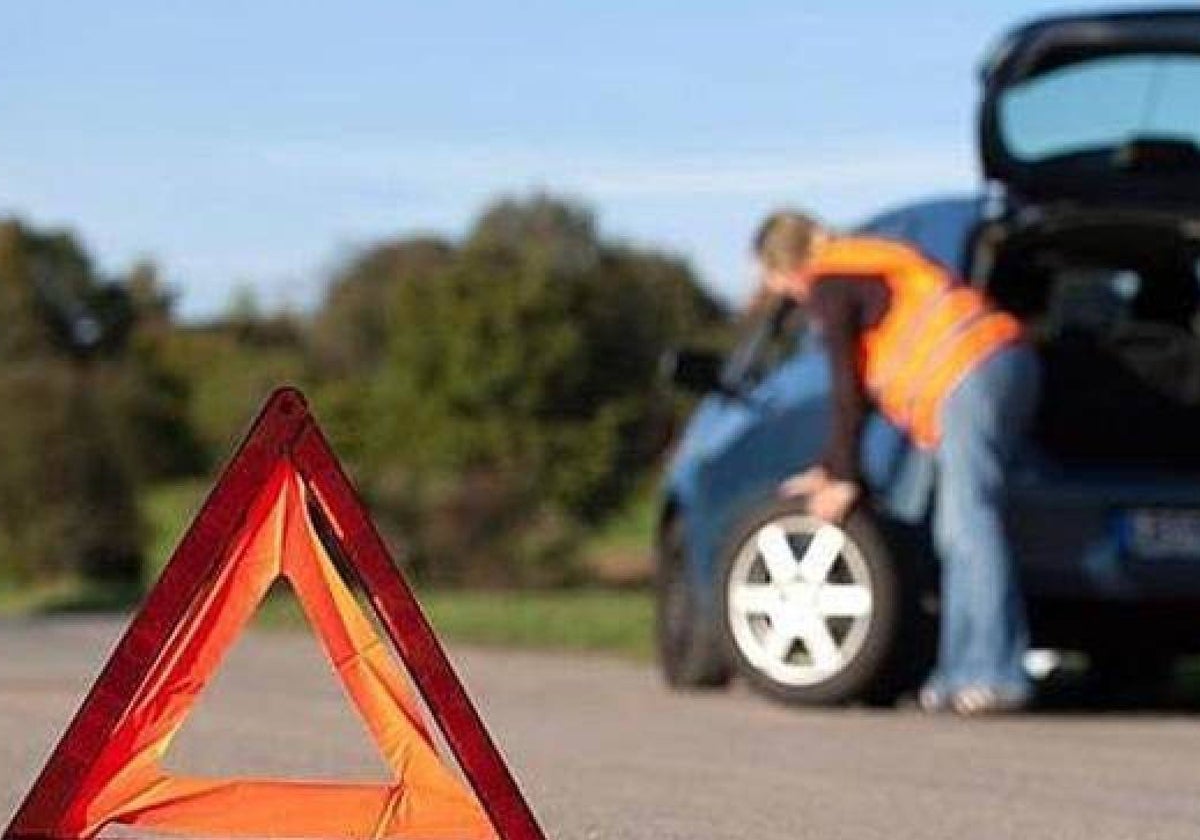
x=1096 y=109
x=1113 y=303
x=1090 y=125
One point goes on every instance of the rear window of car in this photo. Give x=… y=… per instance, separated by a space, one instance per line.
x=1103 y=103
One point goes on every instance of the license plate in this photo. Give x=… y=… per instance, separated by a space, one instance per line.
x=1161 y=533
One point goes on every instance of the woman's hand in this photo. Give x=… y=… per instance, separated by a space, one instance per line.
x=829 y=499
x=806 y=483
x=834 y=500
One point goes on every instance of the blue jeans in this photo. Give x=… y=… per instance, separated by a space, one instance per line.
x=984 y=635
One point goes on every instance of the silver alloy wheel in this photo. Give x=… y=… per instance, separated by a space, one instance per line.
x=799 y=600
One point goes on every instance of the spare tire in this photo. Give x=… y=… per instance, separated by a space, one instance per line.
x=819 y=614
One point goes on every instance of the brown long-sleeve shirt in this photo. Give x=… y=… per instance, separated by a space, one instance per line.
x=844 y=307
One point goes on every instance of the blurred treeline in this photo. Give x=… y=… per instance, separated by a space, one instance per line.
x=496 y=397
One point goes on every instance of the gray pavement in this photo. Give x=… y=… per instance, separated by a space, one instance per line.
x=604 y=752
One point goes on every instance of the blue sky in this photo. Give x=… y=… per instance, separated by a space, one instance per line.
x=257 y=143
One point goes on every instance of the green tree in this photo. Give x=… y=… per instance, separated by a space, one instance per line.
x=348 y=339
x=518 y=400
x=66 y=496
x=228 y=370
x=351 y=327
x=148 y=401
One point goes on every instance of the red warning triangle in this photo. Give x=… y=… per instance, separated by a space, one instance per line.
x=282 y=507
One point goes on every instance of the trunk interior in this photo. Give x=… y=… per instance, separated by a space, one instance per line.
x=1114 y=305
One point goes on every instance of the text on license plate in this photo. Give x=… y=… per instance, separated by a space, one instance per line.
x=1160 y=532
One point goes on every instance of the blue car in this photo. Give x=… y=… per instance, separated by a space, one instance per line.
x=1088 y=229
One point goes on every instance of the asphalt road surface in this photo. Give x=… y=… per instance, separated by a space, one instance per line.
x=603 y=751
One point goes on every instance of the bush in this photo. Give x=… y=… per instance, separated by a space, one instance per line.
x=517 y=402
x=66 y=501
x=67 y=473
x=229 y=369
x=497 y=398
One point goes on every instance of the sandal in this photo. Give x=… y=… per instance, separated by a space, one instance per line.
x=934 y=700
x=980 y=701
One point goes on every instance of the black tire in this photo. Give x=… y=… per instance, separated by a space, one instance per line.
x=690 y=651
x=888 y=657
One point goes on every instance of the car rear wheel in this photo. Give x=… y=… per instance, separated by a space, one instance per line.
x=816 y=613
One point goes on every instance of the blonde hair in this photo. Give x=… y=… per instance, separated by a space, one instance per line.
x=784 y=240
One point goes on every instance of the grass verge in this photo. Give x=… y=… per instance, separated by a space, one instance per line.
x=618 y=552
x=614 y=621
x=617 y=622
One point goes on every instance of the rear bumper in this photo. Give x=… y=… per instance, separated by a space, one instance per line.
x=1149 y=625
x=1071 y=536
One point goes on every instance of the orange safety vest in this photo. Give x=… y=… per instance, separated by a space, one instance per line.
x=935 y=331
